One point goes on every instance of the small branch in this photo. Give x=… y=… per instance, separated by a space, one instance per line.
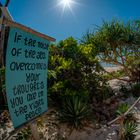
x=115 y=120
x=117 y=77
x=132 y=106
x=123 y=115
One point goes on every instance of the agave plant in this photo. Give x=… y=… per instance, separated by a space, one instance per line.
x=122 y=108
x=74 y=111
x=129 y=130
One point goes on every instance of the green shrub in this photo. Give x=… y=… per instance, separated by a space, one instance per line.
x=74 y=111
x=114 y=74
x=129 y=130
x=133 y=64
x=122 y=108
x=75 y=68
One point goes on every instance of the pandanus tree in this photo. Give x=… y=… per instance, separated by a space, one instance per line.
x=118 y=43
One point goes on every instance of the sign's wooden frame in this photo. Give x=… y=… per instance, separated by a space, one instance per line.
x=26 y=29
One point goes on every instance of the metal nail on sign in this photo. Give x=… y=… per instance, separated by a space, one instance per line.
x=26 y=75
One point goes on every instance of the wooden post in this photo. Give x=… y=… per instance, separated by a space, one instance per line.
x=34 y=130
x=1 y=42
x=2 y=35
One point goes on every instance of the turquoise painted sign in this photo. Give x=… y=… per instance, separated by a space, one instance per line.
x=26 y=75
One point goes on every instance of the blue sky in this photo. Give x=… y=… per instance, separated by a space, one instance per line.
x=45 y=17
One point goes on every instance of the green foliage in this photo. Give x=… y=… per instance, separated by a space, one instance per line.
x=51 y=73
x=122 y=108
x=73 y=67
x=118 y=43
x=133 y=65
x=129 y=127
x=129 y=130
x=115 y=74
x=74 y=110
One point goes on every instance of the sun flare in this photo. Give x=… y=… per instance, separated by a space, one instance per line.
x=67 y=5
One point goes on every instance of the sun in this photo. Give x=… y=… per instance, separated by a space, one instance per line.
x=66 y=5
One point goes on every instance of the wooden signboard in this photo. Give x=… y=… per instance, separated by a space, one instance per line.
x=26 y=73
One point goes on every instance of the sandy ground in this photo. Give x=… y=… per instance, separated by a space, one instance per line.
x=108 y=132
x=111 y=69
x=105 y=133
